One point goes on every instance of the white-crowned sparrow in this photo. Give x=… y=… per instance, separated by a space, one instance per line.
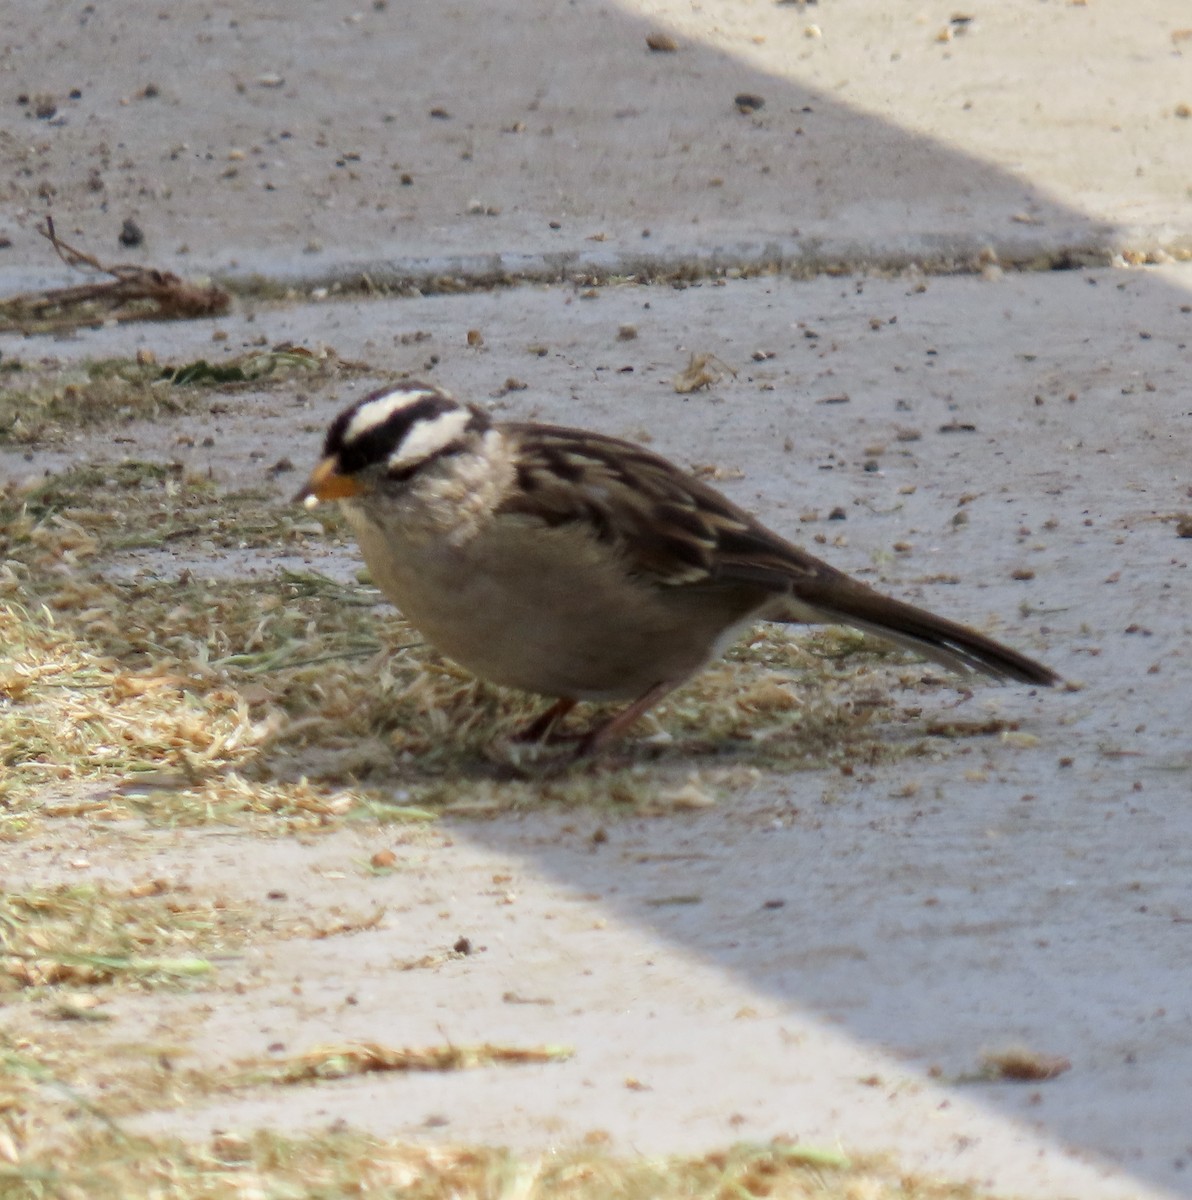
x=582 y=567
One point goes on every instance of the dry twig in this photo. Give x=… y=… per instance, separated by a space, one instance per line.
x=131 y=294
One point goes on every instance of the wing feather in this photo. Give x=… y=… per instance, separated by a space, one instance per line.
x=673 y=530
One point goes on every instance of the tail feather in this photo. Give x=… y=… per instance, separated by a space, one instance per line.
x=948 y=643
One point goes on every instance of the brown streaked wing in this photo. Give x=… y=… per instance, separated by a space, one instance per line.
x=673 y=529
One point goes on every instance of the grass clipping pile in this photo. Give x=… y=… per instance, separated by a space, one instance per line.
x=144 y=670
x=110 y=1166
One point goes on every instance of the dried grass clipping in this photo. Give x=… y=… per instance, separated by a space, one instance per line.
x=362 y=1058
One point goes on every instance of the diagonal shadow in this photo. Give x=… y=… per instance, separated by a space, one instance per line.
x=902 y=918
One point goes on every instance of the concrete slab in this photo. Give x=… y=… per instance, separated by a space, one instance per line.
x=1030 y=890
x=927 y=915
x=402 y=140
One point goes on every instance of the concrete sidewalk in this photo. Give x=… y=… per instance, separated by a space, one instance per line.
x=399 y=140
x=1035 y=891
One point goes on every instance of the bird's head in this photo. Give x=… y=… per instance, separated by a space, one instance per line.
x=386 y=439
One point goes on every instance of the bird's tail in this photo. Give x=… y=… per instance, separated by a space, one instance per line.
x=948 y=643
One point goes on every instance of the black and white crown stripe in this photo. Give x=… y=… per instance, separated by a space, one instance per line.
x=429 y=438
x=376 y=408
x=401 y=429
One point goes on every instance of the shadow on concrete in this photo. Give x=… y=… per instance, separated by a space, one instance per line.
x=557 y=113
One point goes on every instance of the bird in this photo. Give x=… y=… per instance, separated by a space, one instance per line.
x=583 y=567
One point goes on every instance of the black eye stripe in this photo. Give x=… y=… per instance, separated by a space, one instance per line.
x=375 y=444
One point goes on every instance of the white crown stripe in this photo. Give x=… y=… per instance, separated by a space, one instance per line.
x=428 y=437
x=378 y=411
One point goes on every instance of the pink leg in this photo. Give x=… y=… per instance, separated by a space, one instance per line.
x=539 y=729
x=612 y=729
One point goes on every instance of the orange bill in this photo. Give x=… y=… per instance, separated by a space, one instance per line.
x=326 y=483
